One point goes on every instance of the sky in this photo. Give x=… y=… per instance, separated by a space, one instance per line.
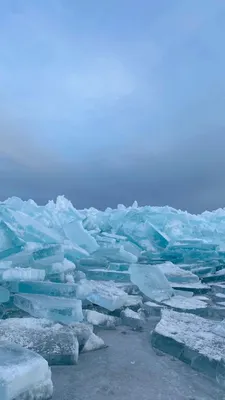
x=113 y=101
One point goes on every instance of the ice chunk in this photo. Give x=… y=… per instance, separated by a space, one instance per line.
x=158 y=238
x=196 y=288
x=59 y=309
x=82 y=331
x=133 y=301
x=17 y=274
x=152 y=309
x=76 y=233
x=117 y=255
x=151 y=281
x=23 y=374
x=48 y=255
x=132 y=318
x=175 y=274
x=102 y=320
x=56 y=343
x=94 y=342
x=46 y=288
x=104 y=294
x=108 y=275
x=191 y=339
x=73 y=252
x=217 y=277
x=193 y=305
x=4 y=295
x=65 y=266
x=31 y=230
x=8 y=237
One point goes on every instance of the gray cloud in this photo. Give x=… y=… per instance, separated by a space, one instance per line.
x=189 y=176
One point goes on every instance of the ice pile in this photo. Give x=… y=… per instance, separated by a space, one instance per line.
x=65 y=270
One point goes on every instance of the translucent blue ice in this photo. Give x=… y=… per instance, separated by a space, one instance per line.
x=151 y=281
x=59 y=309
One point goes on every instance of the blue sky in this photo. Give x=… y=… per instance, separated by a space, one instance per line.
x=111 y=101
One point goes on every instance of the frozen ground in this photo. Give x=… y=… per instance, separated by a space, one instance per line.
x=129 y=369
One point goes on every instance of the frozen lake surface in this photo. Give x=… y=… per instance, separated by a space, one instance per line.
x=130 y=369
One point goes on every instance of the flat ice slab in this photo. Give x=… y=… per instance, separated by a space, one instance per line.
x=58 y=344
x=218 y=288
x=186 y=304
x=196 y=288
x=59 y=309
x=23 y=374
x=191 y=339
x=103 y=294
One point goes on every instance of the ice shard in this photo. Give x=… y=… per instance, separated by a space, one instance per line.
x=151 y=281
x=76 y=233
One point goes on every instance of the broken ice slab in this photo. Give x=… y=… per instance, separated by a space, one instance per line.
x=101 y=320
x=157 y=237
x=191 y=339
x=91 y=262
x=217 y=297
x=48 y=254
x=133 y=302
x=192 y=305
x=56 y=343
x=118 y=267
x=102 y=293
x=45 y=288
x=117 y=255
x=73 y=252
x=128 y=287
x=108 y=275
x=218 y=288
x=196 y=288
x=23 y=374
x=219 y=329
x=184 y=293
x=76 y=233
x=4 y=295
x=202 y=298
x=152 y=309
x=145 y=234
x=59 y=309
x=30 y=229
x=93 y=343
x=82 y=331
x=132 y=248
x=17 y=274
x=151 y=281
x=132 y=318
x=9 y=237
x=219 y=276
x=193 y=244
x=177 y=275
x=61 y=267
x=200 y=271
x=18 y=256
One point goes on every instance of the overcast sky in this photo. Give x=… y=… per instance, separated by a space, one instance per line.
x=112 y=101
